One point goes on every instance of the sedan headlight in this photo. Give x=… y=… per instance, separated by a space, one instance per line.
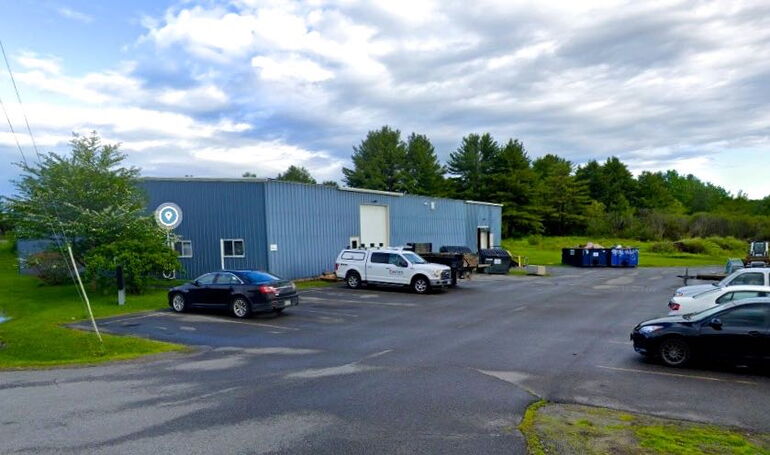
x=650 y=328
x=293 y=286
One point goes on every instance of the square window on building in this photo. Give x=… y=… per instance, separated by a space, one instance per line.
x=183 y=248
x=233 y=248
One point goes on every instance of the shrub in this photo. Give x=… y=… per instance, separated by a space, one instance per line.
x=50 y=266
x=698 y=246
x=728 y=243
x=141 y=260
x=665 y=247
x=535 y=240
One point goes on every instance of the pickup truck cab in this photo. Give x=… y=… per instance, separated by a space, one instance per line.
x=390 y=266
x=759 y=276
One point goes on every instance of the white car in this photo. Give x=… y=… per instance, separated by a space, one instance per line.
x=390 y=266
x=748 y=277
x=693 y=303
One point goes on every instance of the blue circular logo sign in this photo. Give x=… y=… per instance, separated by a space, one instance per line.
x=168 y=215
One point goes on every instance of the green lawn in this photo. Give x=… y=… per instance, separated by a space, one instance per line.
x=552 y=428
x=547 y=251
x=34 y=336
x=306 y=284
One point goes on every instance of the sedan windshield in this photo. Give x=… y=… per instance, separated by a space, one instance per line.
x=414 y=259
x=258 y=277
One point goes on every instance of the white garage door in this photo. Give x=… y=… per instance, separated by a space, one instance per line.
x=375 y=225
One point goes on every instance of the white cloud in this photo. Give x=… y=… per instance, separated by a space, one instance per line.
x=290 y=67
x=31 y=61
x=207 y=33
x=205 y=97
x=70 y=13
x=661 y=85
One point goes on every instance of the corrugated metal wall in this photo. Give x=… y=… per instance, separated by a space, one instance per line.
x=309 y=224
x=213 y=210
x=25 y=248
x=482 y=215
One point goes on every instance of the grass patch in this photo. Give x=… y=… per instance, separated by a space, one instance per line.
x=714 y=251
x=567 y=429
x=34 y=335
x=527 y=427
x=307 y=284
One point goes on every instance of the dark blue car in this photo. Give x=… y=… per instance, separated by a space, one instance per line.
x=735 y=332
x=242 y=292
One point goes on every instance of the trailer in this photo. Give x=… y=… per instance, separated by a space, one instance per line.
x=460 y=259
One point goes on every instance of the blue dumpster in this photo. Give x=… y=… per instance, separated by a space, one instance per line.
x=624 y=257
x=594 y=257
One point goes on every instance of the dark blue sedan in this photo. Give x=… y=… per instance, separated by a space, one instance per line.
x=242 y=292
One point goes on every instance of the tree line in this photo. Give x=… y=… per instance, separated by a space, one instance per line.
x=551 y=195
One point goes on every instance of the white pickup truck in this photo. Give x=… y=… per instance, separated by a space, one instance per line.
x=390 y=266
x=759 y=276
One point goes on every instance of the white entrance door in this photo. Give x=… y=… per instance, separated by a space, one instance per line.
x=375 y=225
x=484 y=238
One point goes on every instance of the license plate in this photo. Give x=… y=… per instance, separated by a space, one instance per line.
x=287 y=302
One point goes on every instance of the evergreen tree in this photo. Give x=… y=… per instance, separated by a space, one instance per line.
x=512 y=182
x=562 y=199
x=653 y=193
x=424 y=173
x=379 y=162
x=619 y=183
x=591 y=175
x=471 y=164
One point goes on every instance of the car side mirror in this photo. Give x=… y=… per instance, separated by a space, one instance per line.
x=716 y=324
x=196 y=283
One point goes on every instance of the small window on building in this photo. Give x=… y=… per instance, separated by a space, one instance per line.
x=183 y=248
x=233 y=248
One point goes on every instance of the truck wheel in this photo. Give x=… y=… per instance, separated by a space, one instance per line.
x=421 y=285
x=353 y=280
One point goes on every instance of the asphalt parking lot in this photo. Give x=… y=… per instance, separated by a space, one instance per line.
x=378 y=370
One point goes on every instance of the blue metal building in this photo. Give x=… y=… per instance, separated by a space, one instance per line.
x=296 y=230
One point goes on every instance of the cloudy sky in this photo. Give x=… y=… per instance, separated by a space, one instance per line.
x=217 y=88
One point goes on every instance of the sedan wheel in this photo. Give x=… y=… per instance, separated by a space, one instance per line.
x=674 y=352
x=240 y=308
x=178 y=303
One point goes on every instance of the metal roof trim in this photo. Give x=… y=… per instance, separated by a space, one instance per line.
x=364 y=190
x=204 y=179
x=484 y=203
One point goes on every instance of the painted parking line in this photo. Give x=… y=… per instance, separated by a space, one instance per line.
x=129 y=318
x=358 y=302
x=624 y=343
x=330 y=313
x=193 y=318
x=678 y=375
